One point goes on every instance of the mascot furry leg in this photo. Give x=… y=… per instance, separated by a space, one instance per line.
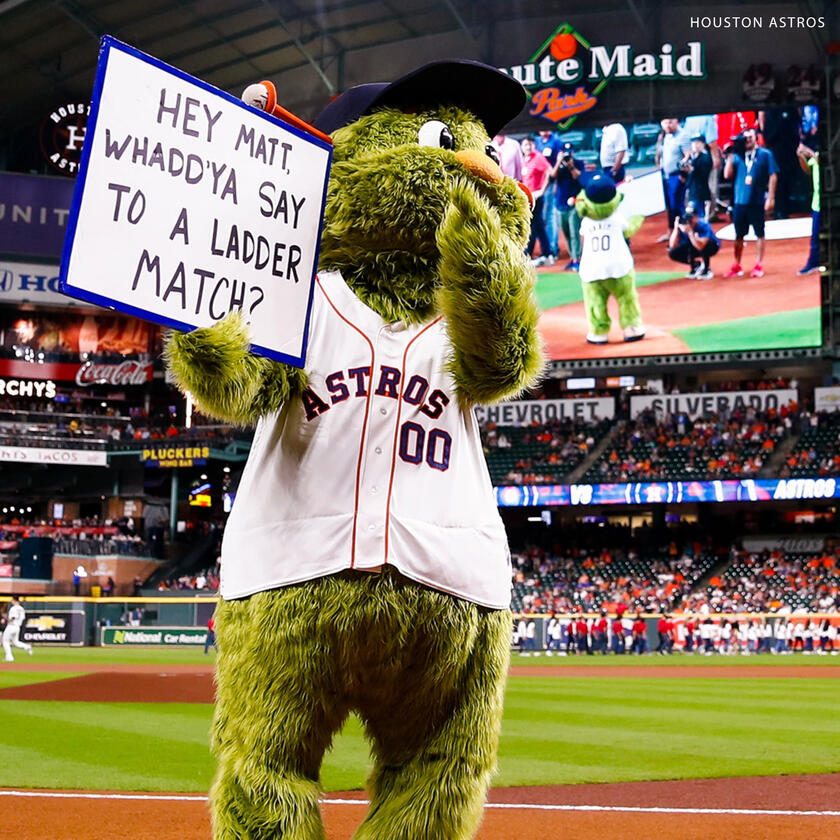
x=440 y=661
x=623 y=289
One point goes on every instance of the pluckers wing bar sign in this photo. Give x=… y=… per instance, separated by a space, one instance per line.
x=176 y=456
x=566 y=75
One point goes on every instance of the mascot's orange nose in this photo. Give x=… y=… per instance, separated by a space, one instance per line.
x=481 y=165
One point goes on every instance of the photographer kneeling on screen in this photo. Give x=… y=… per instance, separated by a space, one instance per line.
x=693 y=242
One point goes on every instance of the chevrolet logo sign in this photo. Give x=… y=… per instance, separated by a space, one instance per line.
x=45 y=622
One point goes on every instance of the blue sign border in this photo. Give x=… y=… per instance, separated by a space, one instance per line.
x=108 y=43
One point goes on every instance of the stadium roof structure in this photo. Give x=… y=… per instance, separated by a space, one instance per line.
x=312 y=49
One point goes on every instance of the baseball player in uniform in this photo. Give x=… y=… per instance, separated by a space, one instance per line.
x=15 y=616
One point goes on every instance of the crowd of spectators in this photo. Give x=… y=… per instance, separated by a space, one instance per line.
x=91 y=424
x=541 y=453
x=817 y=451
x=676 y=447
x=773 y=581
x=207 y=580
x=618 y=573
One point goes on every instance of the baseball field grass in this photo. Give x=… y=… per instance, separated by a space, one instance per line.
x=603 y=728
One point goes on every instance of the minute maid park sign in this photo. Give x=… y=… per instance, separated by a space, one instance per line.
x=565 y=76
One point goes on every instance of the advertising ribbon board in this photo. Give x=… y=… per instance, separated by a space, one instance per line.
x=190 y=204
x=158 y=636
x=697 y=405
x=54 y=627
x=540 y=412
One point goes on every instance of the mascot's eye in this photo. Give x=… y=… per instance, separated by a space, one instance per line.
x=437 y=134
x=490 y=151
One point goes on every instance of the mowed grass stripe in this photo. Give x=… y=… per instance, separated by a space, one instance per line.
x=554 y=731
x=12 y=679
x=105 y=746
x=645 y=733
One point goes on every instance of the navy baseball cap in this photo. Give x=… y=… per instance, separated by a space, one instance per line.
x=600 y=188
x=493 y=96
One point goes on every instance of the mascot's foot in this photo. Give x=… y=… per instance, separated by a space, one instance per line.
x=636 y=333
x=597 y=338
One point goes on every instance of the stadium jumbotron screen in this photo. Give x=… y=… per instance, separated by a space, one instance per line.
x=734 y=295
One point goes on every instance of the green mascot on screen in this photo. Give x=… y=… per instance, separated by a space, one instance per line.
x=365 y=567
x=606 y=264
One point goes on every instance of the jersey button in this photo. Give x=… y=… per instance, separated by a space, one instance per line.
x=383 y=410
x=378 y=450
x=371 y=527
x=373 y=489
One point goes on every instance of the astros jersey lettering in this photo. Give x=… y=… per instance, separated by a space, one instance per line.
x=375 y=464
x=605 y=253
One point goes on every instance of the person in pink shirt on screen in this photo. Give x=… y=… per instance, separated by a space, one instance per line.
x=536 y=171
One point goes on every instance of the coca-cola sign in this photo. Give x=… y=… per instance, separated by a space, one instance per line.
x=123 y=373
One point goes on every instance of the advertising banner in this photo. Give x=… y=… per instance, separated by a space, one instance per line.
x=790 y=545
x=73 y=333
x=668 y=492
x=827 y=399
x=540 y=412
x=22 y=282
x=698 y=405
x=56 y=457
x=191 y=204
x=33 y=214
x=54 y=627
x=157 y=636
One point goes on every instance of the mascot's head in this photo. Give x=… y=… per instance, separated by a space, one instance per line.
x=399 y=149
x=599 y=199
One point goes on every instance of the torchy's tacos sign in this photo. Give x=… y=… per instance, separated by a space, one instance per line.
x=566 y=75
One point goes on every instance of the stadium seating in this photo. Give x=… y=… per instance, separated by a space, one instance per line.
x=627 y=577
x=771 y=581
x=817 y=452
x=676 y=448
x=538 y=454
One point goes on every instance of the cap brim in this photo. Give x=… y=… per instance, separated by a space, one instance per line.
x=494 y=97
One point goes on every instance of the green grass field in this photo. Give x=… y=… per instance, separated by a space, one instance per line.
x=555 y=731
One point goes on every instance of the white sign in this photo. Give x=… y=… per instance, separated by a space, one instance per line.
x=540 y=412
x=67 y=457
x=697 y=405
x=643 y=196
x=190 y=204
x=827 y=399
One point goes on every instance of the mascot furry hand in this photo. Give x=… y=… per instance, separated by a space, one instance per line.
x=606 y=264
x=365 y=566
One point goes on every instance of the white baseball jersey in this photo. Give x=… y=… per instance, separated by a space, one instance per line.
x=374 y=464
x=605 y=252
x=15 y=616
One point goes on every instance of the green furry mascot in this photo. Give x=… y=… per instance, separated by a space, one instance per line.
x=606 y=264
x=365 y=567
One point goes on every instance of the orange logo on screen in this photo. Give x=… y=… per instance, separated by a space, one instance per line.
x=550 y=103
x=563 y=46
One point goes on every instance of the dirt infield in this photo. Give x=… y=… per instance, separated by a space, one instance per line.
x=772 y=808
x=194 y=683
x=685 y=303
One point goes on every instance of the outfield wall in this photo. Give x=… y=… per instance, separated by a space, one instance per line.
x=74 y=621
